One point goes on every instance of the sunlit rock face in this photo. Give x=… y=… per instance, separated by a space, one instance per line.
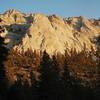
x=51 y=33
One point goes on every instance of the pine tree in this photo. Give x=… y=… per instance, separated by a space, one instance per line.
x=97 y=88
x=45 y=69
x=3 y=55
x=66 y=79
x=50 y=84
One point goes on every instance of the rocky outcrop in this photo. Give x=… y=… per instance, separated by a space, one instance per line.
x=51 y=33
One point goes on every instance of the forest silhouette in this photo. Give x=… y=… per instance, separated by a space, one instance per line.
x=31 y=76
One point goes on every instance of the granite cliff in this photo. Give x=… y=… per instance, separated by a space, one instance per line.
x=50 y=33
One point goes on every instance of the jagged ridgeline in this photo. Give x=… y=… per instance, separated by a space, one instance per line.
x=49 y=58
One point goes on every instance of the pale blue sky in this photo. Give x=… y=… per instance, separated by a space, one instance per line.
x=63 y=8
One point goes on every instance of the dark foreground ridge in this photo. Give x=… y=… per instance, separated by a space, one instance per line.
x=31 y=76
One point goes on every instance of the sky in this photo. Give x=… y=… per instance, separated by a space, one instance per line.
x=63 y=8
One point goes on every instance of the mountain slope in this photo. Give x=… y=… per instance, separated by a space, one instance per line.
x=50 y=33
